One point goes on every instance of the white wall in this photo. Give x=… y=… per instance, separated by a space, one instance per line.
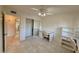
x=51 y=23
x=23 y=31
x=77 y=22
x=55 y=22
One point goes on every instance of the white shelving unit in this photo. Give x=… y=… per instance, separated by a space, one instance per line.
x=67 y=39
x=76 y=36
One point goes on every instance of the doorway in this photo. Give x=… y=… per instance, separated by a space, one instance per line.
x=36 y=28
x=32 y=27
x=11 y=40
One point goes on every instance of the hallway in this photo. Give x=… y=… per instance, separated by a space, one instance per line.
x=37 y=45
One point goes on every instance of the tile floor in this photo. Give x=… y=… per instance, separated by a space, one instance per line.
x=38 y=45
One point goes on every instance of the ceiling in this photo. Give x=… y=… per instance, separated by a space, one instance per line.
x=52 y=8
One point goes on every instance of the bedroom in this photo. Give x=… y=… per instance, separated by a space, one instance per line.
x=43 y=32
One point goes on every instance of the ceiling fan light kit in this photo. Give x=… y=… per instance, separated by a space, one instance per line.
x=42 y=11
x=42 y=14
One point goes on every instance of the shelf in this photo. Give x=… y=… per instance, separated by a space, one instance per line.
x=69 y=48
x=66 y=40
x=68 y=43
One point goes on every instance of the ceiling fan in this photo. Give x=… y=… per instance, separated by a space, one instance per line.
x=42 y=11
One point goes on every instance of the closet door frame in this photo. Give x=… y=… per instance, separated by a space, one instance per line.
x=32 y=26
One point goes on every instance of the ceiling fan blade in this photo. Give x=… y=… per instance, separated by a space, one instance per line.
x=35 y=9
x=49 y=13
x=50 y=9
x=35 y=12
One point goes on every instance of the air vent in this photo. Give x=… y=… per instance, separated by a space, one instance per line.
x=14 y=12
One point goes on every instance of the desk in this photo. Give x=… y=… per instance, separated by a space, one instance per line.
x=48 y=36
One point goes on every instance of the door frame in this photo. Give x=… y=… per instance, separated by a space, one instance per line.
x=3 y=32
x=32 y=27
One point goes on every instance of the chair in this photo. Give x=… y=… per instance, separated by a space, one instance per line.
x=48 y=36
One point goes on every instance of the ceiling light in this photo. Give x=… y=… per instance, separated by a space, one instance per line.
x=42 y=14
x=39 y=14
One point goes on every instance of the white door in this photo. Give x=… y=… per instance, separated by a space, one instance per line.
x=28 y=27
x=36 y=28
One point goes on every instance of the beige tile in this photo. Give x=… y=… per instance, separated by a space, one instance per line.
x=37 y=45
